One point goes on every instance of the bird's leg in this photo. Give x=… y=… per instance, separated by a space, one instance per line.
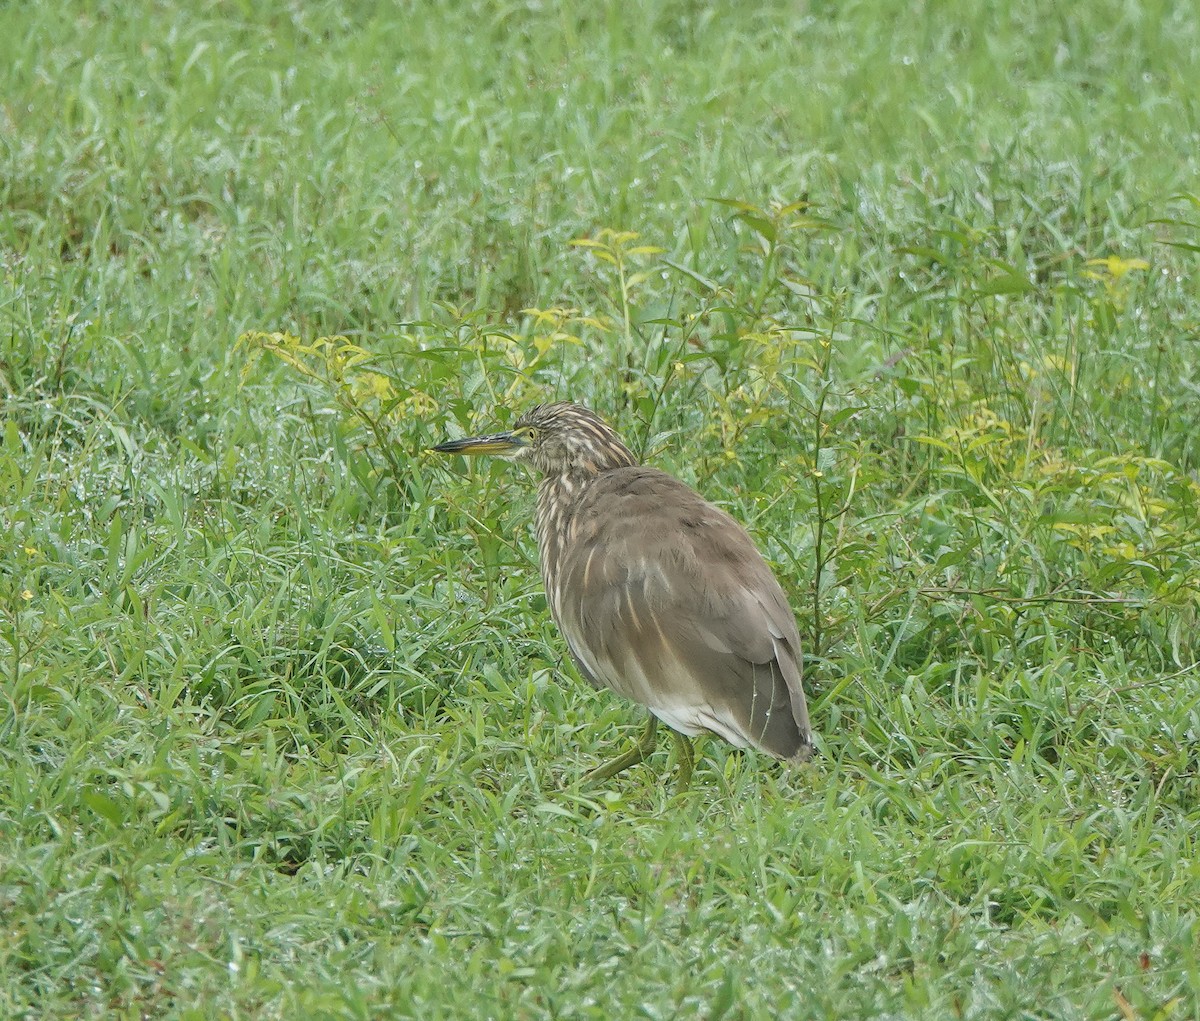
x=645 y=745
x=687 y=759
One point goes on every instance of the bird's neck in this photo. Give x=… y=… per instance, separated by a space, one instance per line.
x=557 y=497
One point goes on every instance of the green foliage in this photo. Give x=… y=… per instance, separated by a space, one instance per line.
x=284 y=727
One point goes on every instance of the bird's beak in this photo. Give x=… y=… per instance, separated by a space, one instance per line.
x=498 y=444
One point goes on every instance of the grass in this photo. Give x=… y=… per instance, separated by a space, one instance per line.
x=286 y=730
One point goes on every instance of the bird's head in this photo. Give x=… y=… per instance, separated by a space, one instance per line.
x=556 y=439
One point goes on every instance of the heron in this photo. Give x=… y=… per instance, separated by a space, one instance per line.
x=662 y=597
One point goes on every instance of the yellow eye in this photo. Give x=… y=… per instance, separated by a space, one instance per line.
x=528 y=431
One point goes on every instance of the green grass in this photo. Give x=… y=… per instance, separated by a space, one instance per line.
x=286 y=731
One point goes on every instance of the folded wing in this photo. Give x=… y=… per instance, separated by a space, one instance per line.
x=677 y=610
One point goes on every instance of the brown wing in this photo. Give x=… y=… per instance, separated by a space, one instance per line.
x=664 y=598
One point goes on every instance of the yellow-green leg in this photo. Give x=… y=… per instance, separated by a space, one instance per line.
x=686 y=757
x=645 y=745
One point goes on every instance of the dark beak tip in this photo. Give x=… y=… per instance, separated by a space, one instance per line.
x=455 y=446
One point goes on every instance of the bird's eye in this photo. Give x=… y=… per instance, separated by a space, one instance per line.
x=528 y=431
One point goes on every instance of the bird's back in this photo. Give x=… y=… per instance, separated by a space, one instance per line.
x=664 y=598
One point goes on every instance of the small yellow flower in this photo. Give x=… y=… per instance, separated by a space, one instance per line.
x=26 y=595
x=1116 y=267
